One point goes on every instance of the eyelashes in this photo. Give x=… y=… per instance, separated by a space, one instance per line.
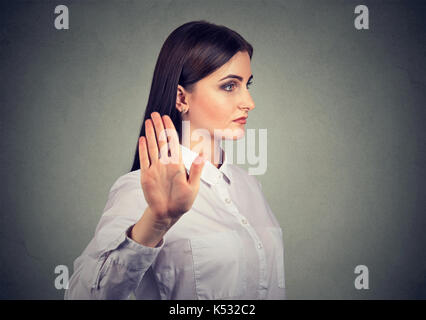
x=231 y=85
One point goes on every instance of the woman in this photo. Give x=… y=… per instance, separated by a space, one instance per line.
x=182 y=225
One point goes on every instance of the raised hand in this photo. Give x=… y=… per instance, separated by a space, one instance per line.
x=167 y=188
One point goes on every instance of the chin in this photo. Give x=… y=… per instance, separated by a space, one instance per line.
x=239 y=136
x=230 y=134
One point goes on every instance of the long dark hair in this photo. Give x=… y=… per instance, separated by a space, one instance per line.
x=190 y=53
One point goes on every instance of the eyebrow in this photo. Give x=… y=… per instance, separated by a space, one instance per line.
x=234 y=76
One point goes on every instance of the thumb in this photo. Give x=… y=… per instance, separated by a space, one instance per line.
x=196 y=169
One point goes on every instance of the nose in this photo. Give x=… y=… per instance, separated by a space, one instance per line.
x=247 y=102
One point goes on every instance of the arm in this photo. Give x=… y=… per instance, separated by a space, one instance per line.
x=125 y=244
x=113 y=264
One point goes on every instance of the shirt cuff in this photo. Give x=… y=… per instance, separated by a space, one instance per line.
x=137 y=246
x=133 y=255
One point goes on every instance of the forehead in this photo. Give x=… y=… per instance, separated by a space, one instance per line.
x=238 y=65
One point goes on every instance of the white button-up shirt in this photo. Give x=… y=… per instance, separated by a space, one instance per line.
x=228 y=246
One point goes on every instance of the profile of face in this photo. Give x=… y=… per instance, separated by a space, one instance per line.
x=219 y=99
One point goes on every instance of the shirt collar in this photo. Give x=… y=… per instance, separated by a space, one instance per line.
x=210 y=173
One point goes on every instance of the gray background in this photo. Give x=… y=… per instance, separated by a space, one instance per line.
x=344 y=109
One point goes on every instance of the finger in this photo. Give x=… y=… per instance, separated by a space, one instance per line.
x=175 y=152
x=152 y=142
x=160 y=134
x=195 y=171
x=143 y=154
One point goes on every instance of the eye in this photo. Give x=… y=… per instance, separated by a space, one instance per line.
x=229 y=86
x=249 y=83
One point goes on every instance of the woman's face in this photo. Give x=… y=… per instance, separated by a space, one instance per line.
x=222 y=97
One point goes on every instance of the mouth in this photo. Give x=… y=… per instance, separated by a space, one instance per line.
x=241 y=120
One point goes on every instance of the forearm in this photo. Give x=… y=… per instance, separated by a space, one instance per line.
x=149 y=231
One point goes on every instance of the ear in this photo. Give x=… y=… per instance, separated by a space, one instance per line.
x=181 y=99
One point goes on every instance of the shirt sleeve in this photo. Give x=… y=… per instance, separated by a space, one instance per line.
x=113 y=265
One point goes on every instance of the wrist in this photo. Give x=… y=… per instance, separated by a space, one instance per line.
x=155 y=223
x=149 y=230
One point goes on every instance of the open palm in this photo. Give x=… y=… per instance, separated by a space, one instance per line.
x=167 y=188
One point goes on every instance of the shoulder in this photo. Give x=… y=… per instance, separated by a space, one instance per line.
x=129 y=180
x=126 y=188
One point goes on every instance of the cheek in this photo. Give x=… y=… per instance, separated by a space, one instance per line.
x=213 y=109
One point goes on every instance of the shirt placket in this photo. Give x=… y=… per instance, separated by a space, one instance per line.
x=225 y=197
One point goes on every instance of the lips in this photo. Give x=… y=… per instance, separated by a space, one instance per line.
x=241 y=120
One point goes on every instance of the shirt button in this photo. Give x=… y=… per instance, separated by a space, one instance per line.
x=227 y=200
x=244 y=221
x=259 y=245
